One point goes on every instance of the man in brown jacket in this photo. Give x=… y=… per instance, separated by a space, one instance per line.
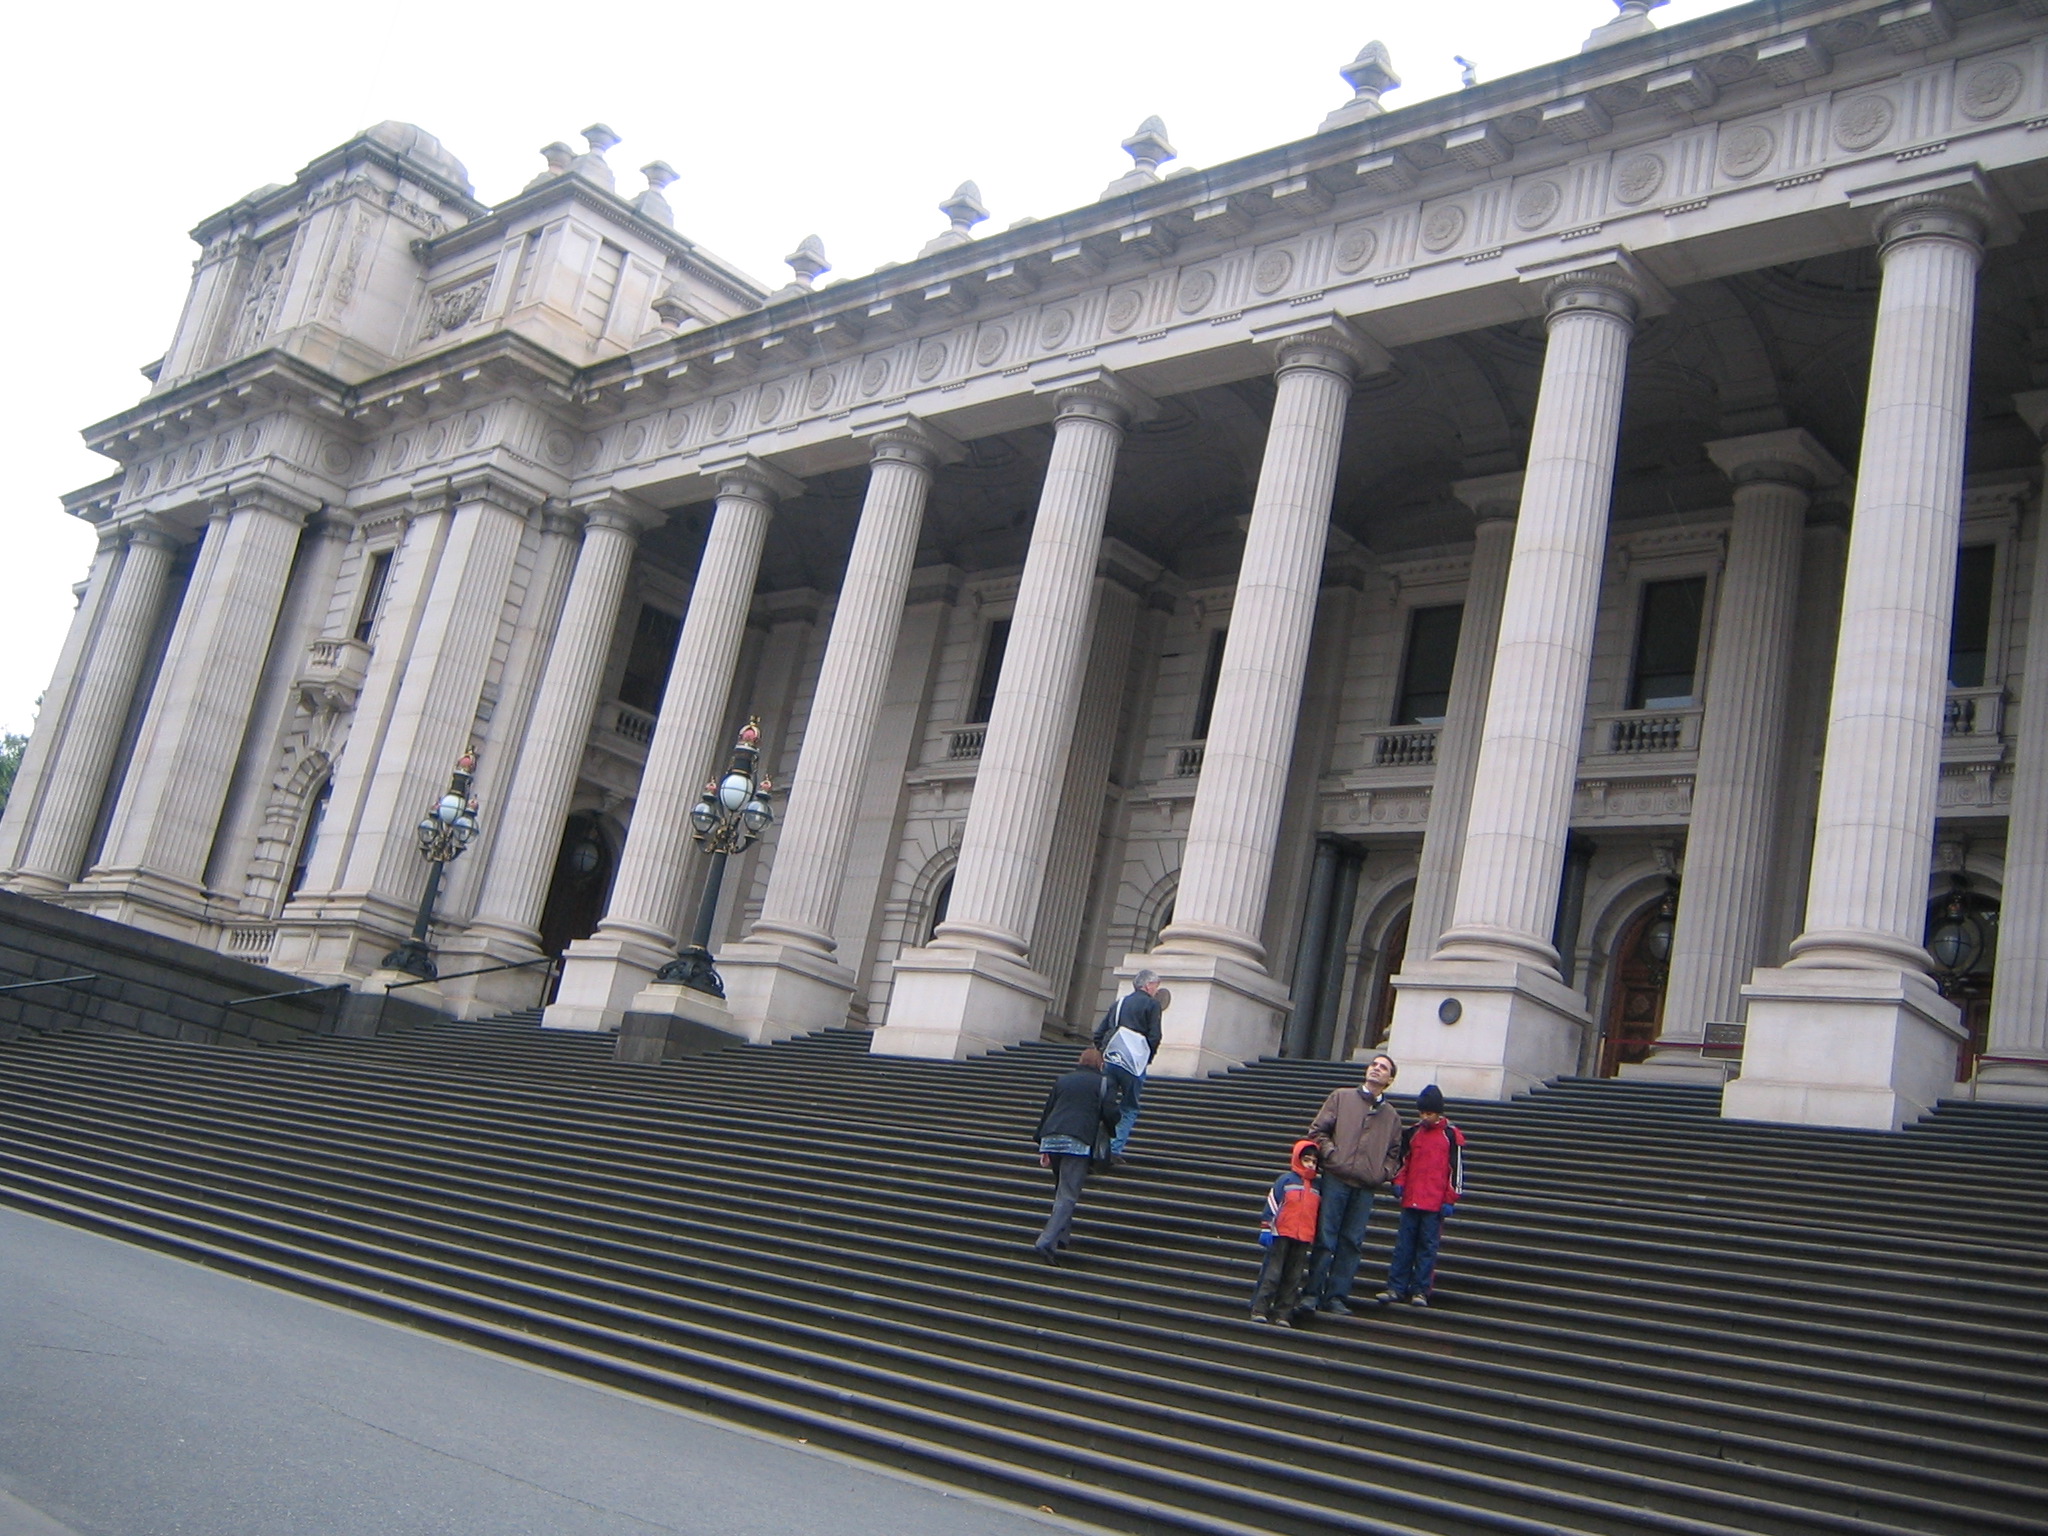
x=1359 y=1134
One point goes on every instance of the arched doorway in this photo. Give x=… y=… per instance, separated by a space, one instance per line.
x=1962 y=936
x=1379 y=1012
x=581 y=886
x=1635 y=997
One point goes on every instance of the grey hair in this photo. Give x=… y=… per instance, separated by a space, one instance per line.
x=1144 y=978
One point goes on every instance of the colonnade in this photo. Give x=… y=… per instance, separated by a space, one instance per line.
x=1481 y=1006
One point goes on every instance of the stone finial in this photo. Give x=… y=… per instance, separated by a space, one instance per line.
x=965 y=209
x=1633 y=21
x=1468 y=71
x=651 y=204
x=807 y=261
x=672 y=310
x=1150 y=148
x=591 y=165
x=1371 y=73
x=559 y=156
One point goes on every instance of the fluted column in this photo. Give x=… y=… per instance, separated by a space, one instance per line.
x=785 y=978
x=2019 y=989
x=55 y=846
x=54 y=710
x=1728 y=846
x=1493 y=500
x=971 y=990
x=1226 y=1008
x=529 y=826
x=606 y=971
x=1851 y=1031
x=1488 y=1014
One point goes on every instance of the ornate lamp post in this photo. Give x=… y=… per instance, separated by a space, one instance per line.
x=1956 y=941
x=443 y=833
x=732 y=813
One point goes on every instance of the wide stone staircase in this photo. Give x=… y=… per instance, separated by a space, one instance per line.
x=1648 y=1319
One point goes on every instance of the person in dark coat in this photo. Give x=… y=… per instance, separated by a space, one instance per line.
x=1128 y=1038
x=1079 y=1118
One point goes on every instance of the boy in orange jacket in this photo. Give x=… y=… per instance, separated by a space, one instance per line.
x=1289 y=1233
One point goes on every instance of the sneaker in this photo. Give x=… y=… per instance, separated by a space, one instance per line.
x=1418 y=1300
x=1387 y=1298
x=1334 y=1307
x=1261 y=1317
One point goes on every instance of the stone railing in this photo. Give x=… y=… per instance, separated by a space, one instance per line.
x=1973 y=724
x=247 y=943
x=636 y=725
x=1405 y=746
x=1185 y=761
x=1638 y=732
x=333 y=673
x=964 y=745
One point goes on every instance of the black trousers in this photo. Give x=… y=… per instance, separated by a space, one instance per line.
x=1280 y=1277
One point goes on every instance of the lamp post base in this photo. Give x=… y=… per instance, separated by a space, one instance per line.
x=693 y=968
x=413 y=958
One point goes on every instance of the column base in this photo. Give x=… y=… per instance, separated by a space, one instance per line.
x=2011 y=1082
x=950 y=1004
x=777 y=990
x=1224 y=1012
x=601 y=975
x=143 y=899
x=478 y=997
x=1511 y=1029
x=1866 y=1049
x=1681 y=1064
x=667 y=1019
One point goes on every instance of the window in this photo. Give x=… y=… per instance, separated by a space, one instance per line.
x=1212 y=673
x=311 y=834
x=1426 y=673
x=1969 y=639
x=1668 y=644
x=991 y=672
x=654 y=646
x=942 y=898
x=373 y=594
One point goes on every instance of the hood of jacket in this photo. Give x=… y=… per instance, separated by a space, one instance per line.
x=1305 y=1145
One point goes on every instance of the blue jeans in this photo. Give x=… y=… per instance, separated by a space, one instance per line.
x=1413 y=1267
x=1340 y=1233
x=1129 y=1117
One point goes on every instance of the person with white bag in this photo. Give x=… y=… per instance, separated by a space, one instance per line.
x=1128 y=1038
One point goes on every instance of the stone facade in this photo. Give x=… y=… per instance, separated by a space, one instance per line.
x=1092 y=584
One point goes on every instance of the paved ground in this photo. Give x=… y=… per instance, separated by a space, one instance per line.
x=144 y=1396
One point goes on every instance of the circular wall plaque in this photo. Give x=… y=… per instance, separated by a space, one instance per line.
x=1450 y=1010
x=1356 y=249
x=1196 y=290
x=1747 y=150
x=1441 y=229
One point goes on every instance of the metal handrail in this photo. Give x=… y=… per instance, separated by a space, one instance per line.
x=52 y=981
x=515 y=965
x=271 y=997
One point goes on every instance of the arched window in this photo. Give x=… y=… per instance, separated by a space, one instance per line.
x=942 y=899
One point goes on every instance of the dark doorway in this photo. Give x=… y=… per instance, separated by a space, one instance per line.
x=1635 y=1001
x=1379 y=1012
x=581 y=886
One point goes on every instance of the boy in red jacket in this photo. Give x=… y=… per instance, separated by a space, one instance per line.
x=1289 y=1233
x=1429 y=1179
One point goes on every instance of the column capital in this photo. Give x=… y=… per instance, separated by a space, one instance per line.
x=616 y=510
x=1491 y=497
x=265 y=495
x=906 y=439
x=1610 y=282
x=151 y=533
x=1096 y=394
x=478 y=485
x=1324 y=341
x=1788 y=457
x=741 y=474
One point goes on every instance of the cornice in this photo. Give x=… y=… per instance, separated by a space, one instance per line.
x=275 y=201
x=259 y=382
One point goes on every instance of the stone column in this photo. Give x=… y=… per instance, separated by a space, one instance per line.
x=55 y=847
x=1226 y=1008
x=970 y=990
x=529 y=824
x=53 y=713
x=607 y=972
x=1493 y=500
x=2019 y=991
x=1488 y=1014
x=1851 y=1030
x=786 y=978
x=1721 y=909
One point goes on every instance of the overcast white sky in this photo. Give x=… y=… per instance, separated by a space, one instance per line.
x=131 y=122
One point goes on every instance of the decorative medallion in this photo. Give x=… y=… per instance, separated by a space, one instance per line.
x=221 y=445
x=1125 y=305
x=1537 y=205
x=437 y=442
x=251 y=436
x=1747 y=150
x=586 y=456
x=1988 y=91
x=678 y=429
x=1056 y=326
x=873 y=375
x=1863 y=122
x=142 y=477
x=1441 y=229
x=636 y=442
x=558 y=447
x=769 y=406
x=1638 y=179
x=334 y=458
x=1273 y=270
x=820 y=392
x=473 y=432
x=1197 y=288
x=722 y=417
x=931 y=360
x=993 y=343
x=1356 y=250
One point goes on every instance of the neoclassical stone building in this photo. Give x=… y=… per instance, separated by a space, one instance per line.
x=1541 y=577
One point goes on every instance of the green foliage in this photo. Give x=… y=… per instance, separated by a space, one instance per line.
x=11 y=747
